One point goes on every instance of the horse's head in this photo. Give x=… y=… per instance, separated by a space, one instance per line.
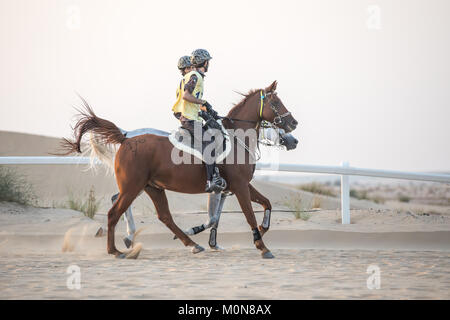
x=274 y=111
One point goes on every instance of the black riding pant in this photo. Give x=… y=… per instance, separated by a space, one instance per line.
x=189 y=125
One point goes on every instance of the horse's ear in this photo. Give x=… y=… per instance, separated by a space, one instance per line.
x=272 y=87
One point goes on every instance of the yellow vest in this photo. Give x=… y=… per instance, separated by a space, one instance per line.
x=189 y=110
x=180 y=89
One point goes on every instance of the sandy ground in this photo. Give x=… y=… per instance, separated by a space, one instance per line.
x=315 y=259
x=316 y=256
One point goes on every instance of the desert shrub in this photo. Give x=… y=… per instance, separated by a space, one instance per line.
x=403 y=198
x=317 y=188
x=295 y=203
x=360 y=195
x=89 y=207
x=317 y=202
x=363 y=195
x=378 y=199
x=14 y=187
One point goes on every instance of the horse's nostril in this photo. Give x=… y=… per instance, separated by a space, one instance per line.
x=295 y=141
x=294 y=122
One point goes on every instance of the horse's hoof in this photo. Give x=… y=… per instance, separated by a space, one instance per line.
x=128 y=242
x=268 y=255
x=121 y=256
x=197 y=249
x=217 y=248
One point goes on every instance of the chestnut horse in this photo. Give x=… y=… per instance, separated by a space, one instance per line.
x=144 y=163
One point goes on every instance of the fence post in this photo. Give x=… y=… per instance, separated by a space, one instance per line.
x=345 y=196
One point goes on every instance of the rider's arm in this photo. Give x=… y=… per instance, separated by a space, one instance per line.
x=187 y=94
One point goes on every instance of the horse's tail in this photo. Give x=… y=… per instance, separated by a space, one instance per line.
x=103 y=152
x=105 y=132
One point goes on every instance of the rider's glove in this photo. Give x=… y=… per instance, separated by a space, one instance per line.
x=210 y=110
x=207 y=105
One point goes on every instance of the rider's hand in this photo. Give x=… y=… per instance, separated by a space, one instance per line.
x=207 y=105
x=203 y=108
x=210 y=110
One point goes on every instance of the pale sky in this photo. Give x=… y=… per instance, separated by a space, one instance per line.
x=368 y=81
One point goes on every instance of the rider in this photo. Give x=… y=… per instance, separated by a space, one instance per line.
x=185 y=66
x=190 y=103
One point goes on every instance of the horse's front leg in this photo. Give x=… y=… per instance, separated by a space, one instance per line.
x=242 y=192
x=259 y=198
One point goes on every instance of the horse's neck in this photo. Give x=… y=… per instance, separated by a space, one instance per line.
x=249 y=113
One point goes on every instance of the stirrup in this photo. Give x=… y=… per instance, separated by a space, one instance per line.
x=217 y=185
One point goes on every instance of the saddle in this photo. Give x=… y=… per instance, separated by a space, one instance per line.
x=183 y=140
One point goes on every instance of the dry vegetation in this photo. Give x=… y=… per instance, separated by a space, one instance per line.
x=14 y=187
x=298 y=206
x=89 y=206
x=427 y=193
x=318 y=188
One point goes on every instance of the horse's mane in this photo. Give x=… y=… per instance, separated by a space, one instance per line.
x=240 y=104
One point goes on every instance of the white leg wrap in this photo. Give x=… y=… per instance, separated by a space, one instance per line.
x=131 y=228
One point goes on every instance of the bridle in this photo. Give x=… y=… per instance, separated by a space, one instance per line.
x=261 y=123
x=278 y=119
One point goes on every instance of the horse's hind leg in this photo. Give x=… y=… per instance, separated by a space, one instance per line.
x=131 y=227
x=159 y=199
x=123 y=202
x=259 y=198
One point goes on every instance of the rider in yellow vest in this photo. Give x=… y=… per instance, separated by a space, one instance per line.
x=185 y=66
x=189 y=104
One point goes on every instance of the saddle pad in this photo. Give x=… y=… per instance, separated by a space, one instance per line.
x=138 y=132
x=183 y=140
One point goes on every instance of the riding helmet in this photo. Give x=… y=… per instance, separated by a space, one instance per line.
x=199 y=56
x=184 y=62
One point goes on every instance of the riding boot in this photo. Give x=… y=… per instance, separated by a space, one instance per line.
x=215 y=183
x=218 y=210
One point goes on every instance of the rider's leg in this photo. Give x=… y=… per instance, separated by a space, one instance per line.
x=213 y=233
x=214 y=182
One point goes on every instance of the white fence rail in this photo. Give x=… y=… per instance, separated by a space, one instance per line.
x=344 y=171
